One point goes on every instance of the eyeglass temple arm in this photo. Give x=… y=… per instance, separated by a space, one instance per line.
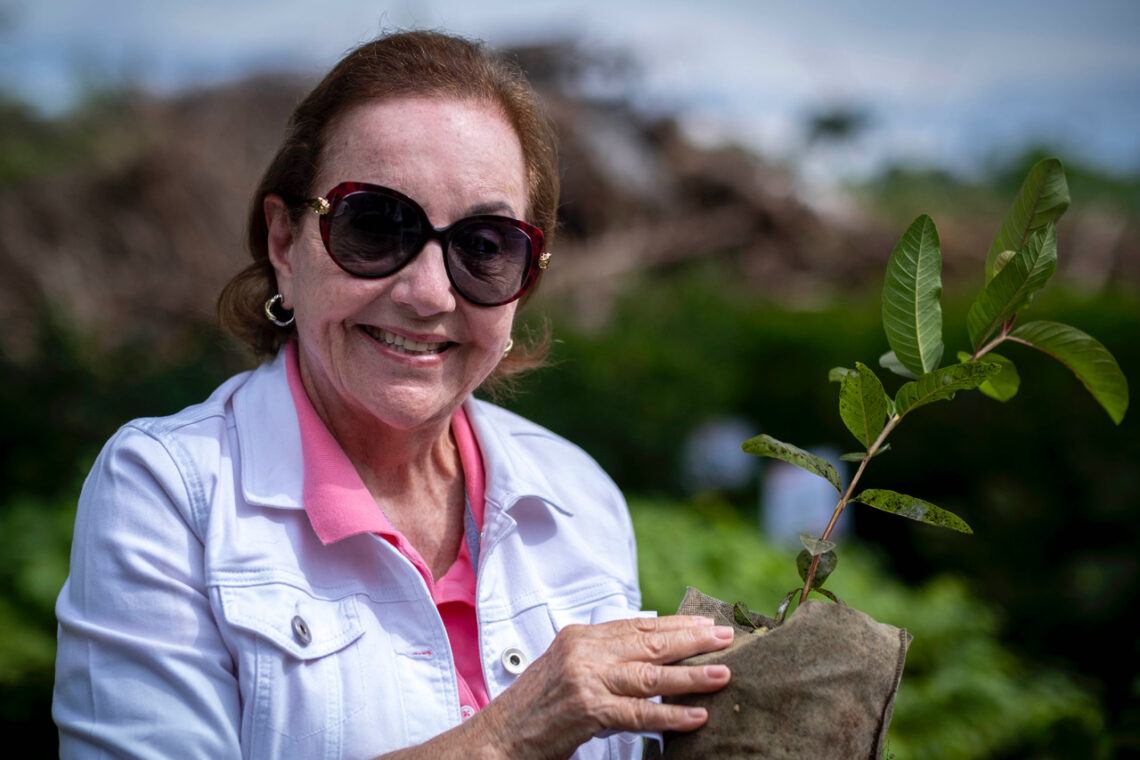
x=320 y=205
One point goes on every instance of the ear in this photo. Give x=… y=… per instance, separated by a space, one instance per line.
x=280 y=244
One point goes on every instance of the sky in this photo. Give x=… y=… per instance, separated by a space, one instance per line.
x=960 y=85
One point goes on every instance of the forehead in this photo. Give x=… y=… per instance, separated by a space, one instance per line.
x=427 y=145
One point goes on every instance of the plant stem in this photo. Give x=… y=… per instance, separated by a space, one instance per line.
x=846 y=497
x=1003 y=335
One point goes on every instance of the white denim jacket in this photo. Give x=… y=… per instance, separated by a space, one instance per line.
x=203 y=618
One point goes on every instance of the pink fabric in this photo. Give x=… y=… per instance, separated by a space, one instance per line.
x=339 y=506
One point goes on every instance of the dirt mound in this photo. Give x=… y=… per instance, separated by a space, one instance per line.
x=134 y=243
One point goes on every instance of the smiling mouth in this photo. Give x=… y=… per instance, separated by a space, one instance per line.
x=406 y=345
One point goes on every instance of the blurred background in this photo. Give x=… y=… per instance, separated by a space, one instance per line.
x=735 y=176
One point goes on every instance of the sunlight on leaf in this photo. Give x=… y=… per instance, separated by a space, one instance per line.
x=1084 y=355
x=1043 y=198
x=815 y=545
x=891 y=362
x=863 y=404
x=836 y=374
x=942 y=384
x=912 y=508
x=1011 y=291
x=912 y=312
x=767 y=446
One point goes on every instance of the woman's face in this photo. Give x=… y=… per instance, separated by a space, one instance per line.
x=455 y=158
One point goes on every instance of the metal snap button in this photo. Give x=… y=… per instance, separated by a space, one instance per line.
x=301 y=631
x=514 y=660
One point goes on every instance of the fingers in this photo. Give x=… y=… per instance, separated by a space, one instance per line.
x=643 y=715
x=643 y=679
x=659 y=640
x=597 y=677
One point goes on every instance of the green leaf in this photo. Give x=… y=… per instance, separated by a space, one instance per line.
x=1043 y=197
x=1012 y=289
x=827 y=562
x=815 y=545
x=836 y=374
x=915 y=509
x=767 y=446
x=859 y=456
x=741 y=615
x=891 y=362
x=782 y=610
x=1004 y=385
x=1090 y=361
x=830 y=596
x=912 y=314
x=863 y=404
x=942 y=384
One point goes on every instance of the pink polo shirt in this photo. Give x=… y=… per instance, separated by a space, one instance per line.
x=339 y=505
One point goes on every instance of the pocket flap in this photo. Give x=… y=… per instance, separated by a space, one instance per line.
x=292 y=619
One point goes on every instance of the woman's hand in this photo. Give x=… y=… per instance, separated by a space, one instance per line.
x=598 y=677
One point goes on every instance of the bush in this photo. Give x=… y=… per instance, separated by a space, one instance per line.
x=963 y=695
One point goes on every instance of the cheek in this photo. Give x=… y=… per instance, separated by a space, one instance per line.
x=321 y=290
x=494 y=326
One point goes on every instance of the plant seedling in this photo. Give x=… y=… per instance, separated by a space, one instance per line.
x=1020 y=261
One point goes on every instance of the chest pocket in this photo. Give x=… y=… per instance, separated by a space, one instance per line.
x=299 y=666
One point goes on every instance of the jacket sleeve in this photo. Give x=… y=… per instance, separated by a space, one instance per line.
x=141 y=669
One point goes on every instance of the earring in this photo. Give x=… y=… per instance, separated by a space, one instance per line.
x=270 y=305
x=508 y=347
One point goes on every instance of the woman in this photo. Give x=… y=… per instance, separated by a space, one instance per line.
x=341 y=553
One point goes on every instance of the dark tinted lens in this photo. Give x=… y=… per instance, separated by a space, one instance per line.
x=373 y=235
x=488 y=259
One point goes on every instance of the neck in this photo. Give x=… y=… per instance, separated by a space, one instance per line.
x=415 y=475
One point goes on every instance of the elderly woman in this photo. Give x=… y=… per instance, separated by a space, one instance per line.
x=342 y=553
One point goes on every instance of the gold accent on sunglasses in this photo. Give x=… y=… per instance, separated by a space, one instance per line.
x=544 y=260
x=320 y=205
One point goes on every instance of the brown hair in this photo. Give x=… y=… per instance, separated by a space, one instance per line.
x=405 y=64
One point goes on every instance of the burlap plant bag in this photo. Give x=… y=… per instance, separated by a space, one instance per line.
x=820 y=686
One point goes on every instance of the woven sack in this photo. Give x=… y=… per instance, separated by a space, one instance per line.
x=822 y=685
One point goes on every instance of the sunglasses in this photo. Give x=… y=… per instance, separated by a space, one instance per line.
x=373 y=231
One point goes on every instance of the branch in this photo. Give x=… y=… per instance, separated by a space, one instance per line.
x=846 y=497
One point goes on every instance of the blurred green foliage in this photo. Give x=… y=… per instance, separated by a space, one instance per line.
x=1055 y=533
x=33 y=146
x=963 y=694
x=58 y=412
x=1055 y=543
x=899 y=193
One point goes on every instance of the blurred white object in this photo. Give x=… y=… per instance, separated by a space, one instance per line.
x=713 y=459
x=794 y=501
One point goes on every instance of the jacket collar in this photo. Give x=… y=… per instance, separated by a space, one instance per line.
x=269 y=438
x=272 y=467
x=514 y=472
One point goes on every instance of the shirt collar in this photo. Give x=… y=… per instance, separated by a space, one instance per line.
x=335 y=498
x=272 y=463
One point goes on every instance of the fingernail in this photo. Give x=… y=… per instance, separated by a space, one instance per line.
x=723 y=632
x=716 y=672
x=704 y=620
x=696 y=712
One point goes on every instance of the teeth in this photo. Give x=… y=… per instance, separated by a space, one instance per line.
x=407 y=345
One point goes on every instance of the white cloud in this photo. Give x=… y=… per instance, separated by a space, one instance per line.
x=925 y=69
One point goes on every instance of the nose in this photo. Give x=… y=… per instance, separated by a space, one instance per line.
x=422 y=284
